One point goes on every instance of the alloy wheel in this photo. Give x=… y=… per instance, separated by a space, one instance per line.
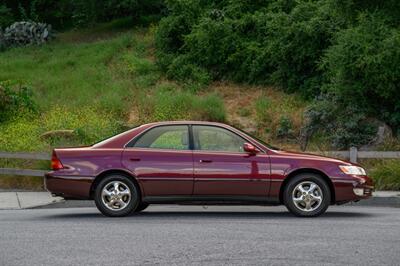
x=307 y=196
x=116 y=195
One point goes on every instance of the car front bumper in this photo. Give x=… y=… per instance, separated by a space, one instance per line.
x=353 y=188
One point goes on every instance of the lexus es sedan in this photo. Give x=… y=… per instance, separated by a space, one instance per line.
x=201 y=163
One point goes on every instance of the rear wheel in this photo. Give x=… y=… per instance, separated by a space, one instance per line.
x=116 y=196
x=307 y=195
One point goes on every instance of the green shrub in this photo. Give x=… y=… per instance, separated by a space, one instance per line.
x=347 y=48
x=386 y=175
x=82 y=13
x=285 y=127
x=362 y=67
x=344 y=125
x=189 y=73
x=6 y=16
x=15 y=101
x=247 y=41
x=262 y=105
x=209 y=108
x=172 y=29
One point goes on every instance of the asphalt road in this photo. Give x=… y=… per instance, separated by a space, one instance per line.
x=183 y=235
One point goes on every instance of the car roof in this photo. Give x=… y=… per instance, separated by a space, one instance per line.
x=183 y=122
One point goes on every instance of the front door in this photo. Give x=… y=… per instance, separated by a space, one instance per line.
x=162 y=161
x=222 y=168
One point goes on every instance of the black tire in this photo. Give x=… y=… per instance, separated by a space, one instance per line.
x=142 y=206
x=291 y=189
x=130 y=207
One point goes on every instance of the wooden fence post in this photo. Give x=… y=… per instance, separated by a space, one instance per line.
x=353 y=154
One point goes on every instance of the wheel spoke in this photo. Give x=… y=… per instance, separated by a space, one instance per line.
x=312 y=188
x=121 y=203
x=106 y=192
x=301 y=188
x=110 y=204
x=116 y=186
x=316 y=198
x=308 y=205
x=298 y=200
x=125 y=192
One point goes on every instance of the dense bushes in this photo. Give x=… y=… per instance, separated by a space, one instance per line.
x=363 y=68
x=343 y=125
x=256 y=42
x=6 y=16
x=348 y=49
x=77 y=13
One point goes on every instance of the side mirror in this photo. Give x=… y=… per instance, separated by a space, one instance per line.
x=250 y=148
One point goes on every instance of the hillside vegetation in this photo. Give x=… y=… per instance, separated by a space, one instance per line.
x=345 y=54
x=99 y=84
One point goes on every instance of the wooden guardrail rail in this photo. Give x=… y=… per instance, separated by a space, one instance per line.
x=352 y=154
x=27 y=156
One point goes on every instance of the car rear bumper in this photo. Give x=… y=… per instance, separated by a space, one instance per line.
x=72 y=187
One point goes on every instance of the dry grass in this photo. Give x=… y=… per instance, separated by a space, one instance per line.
x=240 y=101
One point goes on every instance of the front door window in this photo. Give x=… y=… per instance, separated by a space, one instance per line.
x=211 y=138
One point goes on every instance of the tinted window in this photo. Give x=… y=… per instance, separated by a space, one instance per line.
x=211 y=138
x=165 y=137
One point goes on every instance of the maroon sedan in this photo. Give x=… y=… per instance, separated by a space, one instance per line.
x=201 y=163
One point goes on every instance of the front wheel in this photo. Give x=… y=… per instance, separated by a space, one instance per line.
x=116 y=196
x=307 y=195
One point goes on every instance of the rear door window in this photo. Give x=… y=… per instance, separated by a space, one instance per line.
x=175 y=137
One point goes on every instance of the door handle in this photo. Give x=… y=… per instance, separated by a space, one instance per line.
x=134 y=159
x=205 y=161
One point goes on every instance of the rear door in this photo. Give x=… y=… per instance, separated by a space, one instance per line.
x=162 y=161
x=222 y=168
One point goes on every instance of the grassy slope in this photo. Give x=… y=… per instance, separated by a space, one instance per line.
x=97 y=80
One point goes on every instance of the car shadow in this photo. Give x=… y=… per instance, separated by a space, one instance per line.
x=199 y=215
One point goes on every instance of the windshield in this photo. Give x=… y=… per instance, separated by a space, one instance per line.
x=259 y=140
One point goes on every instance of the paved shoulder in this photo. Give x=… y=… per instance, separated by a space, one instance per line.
x=24 y=200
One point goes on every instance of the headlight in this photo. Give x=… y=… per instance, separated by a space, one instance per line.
x=352 y=170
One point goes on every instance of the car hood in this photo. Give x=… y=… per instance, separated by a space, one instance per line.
x=309 y=156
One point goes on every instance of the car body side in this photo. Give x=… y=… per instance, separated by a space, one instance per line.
x=85 y=166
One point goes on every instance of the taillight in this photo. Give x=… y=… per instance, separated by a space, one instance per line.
x=55 y=162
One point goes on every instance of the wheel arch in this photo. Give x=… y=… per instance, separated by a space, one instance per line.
x=99 y=177
x=296 y=172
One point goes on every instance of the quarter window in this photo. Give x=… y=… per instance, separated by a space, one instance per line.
x=165 y=137
x=211 y=138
